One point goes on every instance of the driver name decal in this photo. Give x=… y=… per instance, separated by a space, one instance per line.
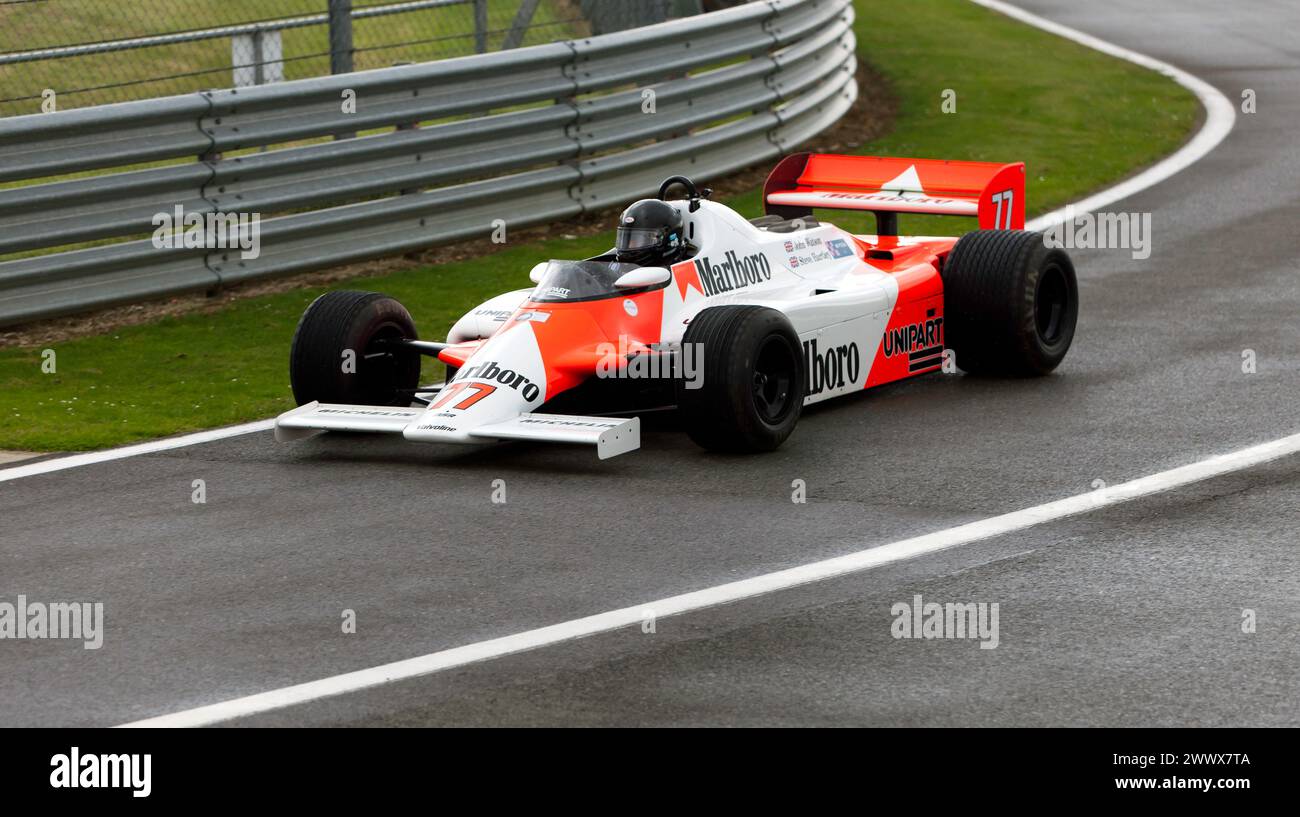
x=735 y=272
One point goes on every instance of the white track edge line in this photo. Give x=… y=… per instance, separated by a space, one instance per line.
x=1220 y=116
x=726 y=593
x=92 y=457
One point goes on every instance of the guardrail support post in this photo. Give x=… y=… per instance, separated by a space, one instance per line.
x=341 y=43
x=480 y=26
x=340 y=36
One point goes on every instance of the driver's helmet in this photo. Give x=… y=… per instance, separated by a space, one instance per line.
x=650 y=234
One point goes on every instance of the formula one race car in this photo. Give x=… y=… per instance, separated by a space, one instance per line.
x=737 y=324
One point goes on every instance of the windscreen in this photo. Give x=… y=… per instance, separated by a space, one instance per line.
x=580 y=280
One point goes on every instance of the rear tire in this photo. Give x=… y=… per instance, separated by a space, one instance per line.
x=1010 y=303
x=360 y=322
x=752 y=387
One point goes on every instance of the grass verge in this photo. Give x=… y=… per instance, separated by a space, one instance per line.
x=1079 y=119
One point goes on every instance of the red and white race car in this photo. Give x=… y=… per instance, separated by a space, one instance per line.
x=747 y=323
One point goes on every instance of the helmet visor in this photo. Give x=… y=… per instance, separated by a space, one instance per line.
x=639 y=238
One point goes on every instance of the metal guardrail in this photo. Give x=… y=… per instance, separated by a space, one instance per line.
x=574 y=137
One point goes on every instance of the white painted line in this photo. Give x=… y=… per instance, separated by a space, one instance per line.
x=1220 y=116
x=90 y=458
x=726 y=593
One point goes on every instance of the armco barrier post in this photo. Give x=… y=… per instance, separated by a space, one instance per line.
x=341 y=43
x=480 y=26
x=340 y=36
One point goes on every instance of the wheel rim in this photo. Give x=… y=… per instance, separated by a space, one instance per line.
x=1051 y=301
x=773 y=379
x=379 y=367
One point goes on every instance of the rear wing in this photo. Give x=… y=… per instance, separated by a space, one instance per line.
x=993 y=193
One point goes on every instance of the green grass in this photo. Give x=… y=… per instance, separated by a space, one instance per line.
x=1078 y=119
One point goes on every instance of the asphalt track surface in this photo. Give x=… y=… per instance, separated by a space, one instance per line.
x=1129 y=615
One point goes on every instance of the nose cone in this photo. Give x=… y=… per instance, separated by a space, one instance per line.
x=568 y=337
x=541 y=351
x=506 y=377
x=575 y=338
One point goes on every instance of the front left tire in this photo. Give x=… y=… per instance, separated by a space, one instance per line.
x=752 y=380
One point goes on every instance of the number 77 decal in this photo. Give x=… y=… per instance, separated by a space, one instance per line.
x=1009 y=197
x=482 y=390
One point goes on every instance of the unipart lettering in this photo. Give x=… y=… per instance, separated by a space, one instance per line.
x=491 y=372
x=838 y=367
x=913 y=336
x=734 y=272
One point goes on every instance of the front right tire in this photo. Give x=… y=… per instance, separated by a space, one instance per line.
x=341 y=351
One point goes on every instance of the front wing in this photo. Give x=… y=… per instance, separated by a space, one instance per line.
x=611 y=436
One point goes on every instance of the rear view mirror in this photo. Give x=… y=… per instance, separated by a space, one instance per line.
x=537 y=272
x=644 y=277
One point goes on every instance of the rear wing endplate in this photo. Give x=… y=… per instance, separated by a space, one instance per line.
x=993 y=193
